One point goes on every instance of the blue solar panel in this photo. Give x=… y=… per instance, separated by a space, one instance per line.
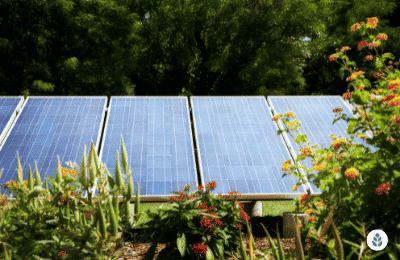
x=156 y=132
x=239 y=147
x=315 y=115
x=8 y=108
x=47 y=127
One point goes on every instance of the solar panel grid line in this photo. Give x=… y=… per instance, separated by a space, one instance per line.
x=329 y=104
x=10 y=107
x=167 y=128
x=28 y=127
x=252 y=118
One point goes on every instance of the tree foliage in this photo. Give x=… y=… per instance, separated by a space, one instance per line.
x=149 y=47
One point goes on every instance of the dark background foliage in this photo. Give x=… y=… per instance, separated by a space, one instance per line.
x=178 y=47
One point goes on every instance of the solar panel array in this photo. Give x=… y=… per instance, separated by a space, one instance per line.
x=47 y=127
x=158 y=140
x=237 y=141
x=315 y=115
x=8 y=108
x=239 y=148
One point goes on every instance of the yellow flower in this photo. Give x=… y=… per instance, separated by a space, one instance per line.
x=276 y=118
x=294 y=188
x=319 y=204
x=308 y=212
x=372 y=22
x=352 y=173
x=289 y=114
x=300 y=226
x=329 y=156
x=70 y=172
x=285 y=166
x=306 y=152
x=362 y=136
x=319 y=167
x=332 y=136
x=345 y=48
x=291 y=124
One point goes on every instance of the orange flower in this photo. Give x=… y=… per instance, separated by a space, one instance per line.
x=383 y=187
x=394 y=102
x=368 y=57
x=306 y=152
x=300 y=226
x=372 y=22
x=345 y=48
x=355 y=75
x=309 y=211
x=289 y=114
x=394 y=84
x=319 y=167
x=351 y=173
x=333 y=57
x=355 y=27
x=372 y=45
x=382 y=36
x=362 y=44
x=304 y=197
x=337 y=110
x=329 y=156
x=312 y=219
x=276 y=118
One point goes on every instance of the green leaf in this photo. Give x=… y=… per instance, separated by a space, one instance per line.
x=220 y=249
x=353 y=123
x=301 y=138
x=378 y=63
x=210 y=255
x=181 y=243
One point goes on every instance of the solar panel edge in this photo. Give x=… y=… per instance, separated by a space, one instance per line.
x=288 y=146
x=197 y=143
x=188 y=109
x=11 y=120
x=194 y=104
x=23 y=106
x=182 y=104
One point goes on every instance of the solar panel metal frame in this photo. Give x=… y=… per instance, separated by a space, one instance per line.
x=87 y=145
x=282 y=127
x=144 y=198
x=13 y=115
x=280 y=196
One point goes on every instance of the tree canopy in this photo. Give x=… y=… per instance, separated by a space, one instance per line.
x=213 y=47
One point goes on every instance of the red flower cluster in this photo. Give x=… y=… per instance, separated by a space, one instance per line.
x=347 y=96
x=384 y=187
x=199 y=248
x=304 y=198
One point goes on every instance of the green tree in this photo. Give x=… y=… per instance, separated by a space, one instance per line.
x=66 y=47
x=321 y=75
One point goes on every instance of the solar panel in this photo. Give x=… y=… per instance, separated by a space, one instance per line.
x=315 y=115
x=8 y=108
x=47 y=127
x=158 y=140
x=239 y=147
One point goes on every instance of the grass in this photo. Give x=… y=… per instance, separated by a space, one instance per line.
x=270 y=208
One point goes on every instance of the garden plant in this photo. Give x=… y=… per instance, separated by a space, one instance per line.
x=358 y=186
x=361 y=185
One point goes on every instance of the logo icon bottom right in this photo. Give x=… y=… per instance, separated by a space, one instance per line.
x=377 y=240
